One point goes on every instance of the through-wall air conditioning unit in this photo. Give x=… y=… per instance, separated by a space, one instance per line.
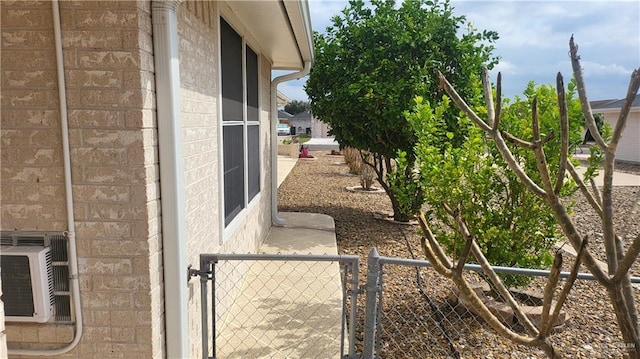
x=27 y=283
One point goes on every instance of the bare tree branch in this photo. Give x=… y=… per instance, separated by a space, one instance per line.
x=596 y=192
x=488 y=96
x=488 y=271
x=568 y=284
x=498 y=110
x=634 y=249
x=628 y=260
x=442 y=257
x=475 y=302
x=516 y=141
x=564 y=132
x=549 y=291
x=495 y=135
x=455 y=97
x=541 y=161
x=593 y=201
x=582 y=93
x=468 y=238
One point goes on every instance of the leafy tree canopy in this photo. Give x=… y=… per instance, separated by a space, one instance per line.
x=374 y=60
x=296 y=106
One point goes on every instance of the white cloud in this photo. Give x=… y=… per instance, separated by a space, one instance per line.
x=505 y=67
x=322 y=11
x=293 y=90
x=596 y=69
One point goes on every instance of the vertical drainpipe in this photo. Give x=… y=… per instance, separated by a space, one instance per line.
x=167 y=76
x=274 y=138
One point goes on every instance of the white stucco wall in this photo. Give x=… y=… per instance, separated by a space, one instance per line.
x=629 y=145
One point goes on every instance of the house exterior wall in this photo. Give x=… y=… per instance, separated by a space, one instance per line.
x=629 y=146
x=319 y=129
x=301 y=125
x=110 y=96
x=199 y=67
x=108 y=57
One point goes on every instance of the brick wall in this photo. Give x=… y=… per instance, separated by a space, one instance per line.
x=109 y=71
x=199 y=65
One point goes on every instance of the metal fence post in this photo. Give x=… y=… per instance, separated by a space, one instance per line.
x=354 y=308
x=370 y=309
x=204 y=265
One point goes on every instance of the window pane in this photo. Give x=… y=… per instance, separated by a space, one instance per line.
x=231 y=65
x=252 y=85
x=253 y=135
x=233 y=146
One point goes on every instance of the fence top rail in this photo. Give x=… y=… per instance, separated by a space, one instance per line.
x=498 y=269
x=214 y=257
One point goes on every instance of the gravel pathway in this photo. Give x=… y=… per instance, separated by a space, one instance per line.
x=410 y=319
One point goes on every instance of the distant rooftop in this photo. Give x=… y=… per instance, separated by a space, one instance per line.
x=284 y=114
x=306 y=115
x=610 y=104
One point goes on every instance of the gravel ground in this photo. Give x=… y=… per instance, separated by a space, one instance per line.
x=416 y=325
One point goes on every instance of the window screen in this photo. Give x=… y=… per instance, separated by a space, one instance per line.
x=240 y=118
x=231 y=62
x=233 y=172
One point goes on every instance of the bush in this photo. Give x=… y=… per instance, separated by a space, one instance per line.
x=512 y=226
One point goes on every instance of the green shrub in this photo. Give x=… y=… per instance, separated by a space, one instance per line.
x=512 y=226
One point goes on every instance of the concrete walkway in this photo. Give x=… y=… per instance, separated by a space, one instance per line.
x=619 y=178
x=285 y=165
x=289 y=309
x=322 y=144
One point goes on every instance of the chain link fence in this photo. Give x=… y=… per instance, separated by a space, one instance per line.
x=286 y=306
x=412 y=311
x=279 y=306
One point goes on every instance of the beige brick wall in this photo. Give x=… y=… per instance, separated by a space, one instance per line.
x=109 y=71
x=199 y=65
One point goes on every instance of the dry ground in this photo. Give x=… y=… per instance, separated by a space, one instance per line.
x=415 y=325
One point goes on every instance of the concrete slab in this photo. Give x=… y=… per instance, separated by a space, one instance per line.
x=619 y=178
x=322 y=144
x=289 y=309
x=285 y=165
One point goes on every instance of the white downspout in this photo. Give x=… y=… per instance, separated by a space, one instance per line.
x=71 y=222
x=274 y=138
x=167 y=76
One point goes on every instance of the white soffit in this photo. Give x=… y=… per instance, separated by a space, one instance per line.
x=282 y=29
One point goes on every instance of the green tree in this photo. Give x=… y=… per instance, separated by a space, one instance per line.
x=296 y=106
x=370 y=65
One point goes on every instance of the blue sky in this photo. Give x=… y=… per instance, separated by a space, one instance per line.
x=534 y=41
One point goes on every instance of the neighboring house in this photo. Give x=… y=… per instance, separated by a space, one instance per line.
x=284 y=117
x=628 y=149
x=301 y=122
x=135 y=136
x=304 y=122
x=319 y=129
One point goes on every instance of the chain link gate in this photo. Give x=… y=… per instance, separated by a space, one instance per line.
x=278 y=305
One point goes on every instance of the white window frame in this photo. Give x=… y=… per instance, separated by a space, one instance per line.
x=228 y=230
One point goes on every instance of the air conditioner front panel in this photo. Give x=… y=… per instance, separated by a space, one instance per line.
x=27 y=283
x=16 y=286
